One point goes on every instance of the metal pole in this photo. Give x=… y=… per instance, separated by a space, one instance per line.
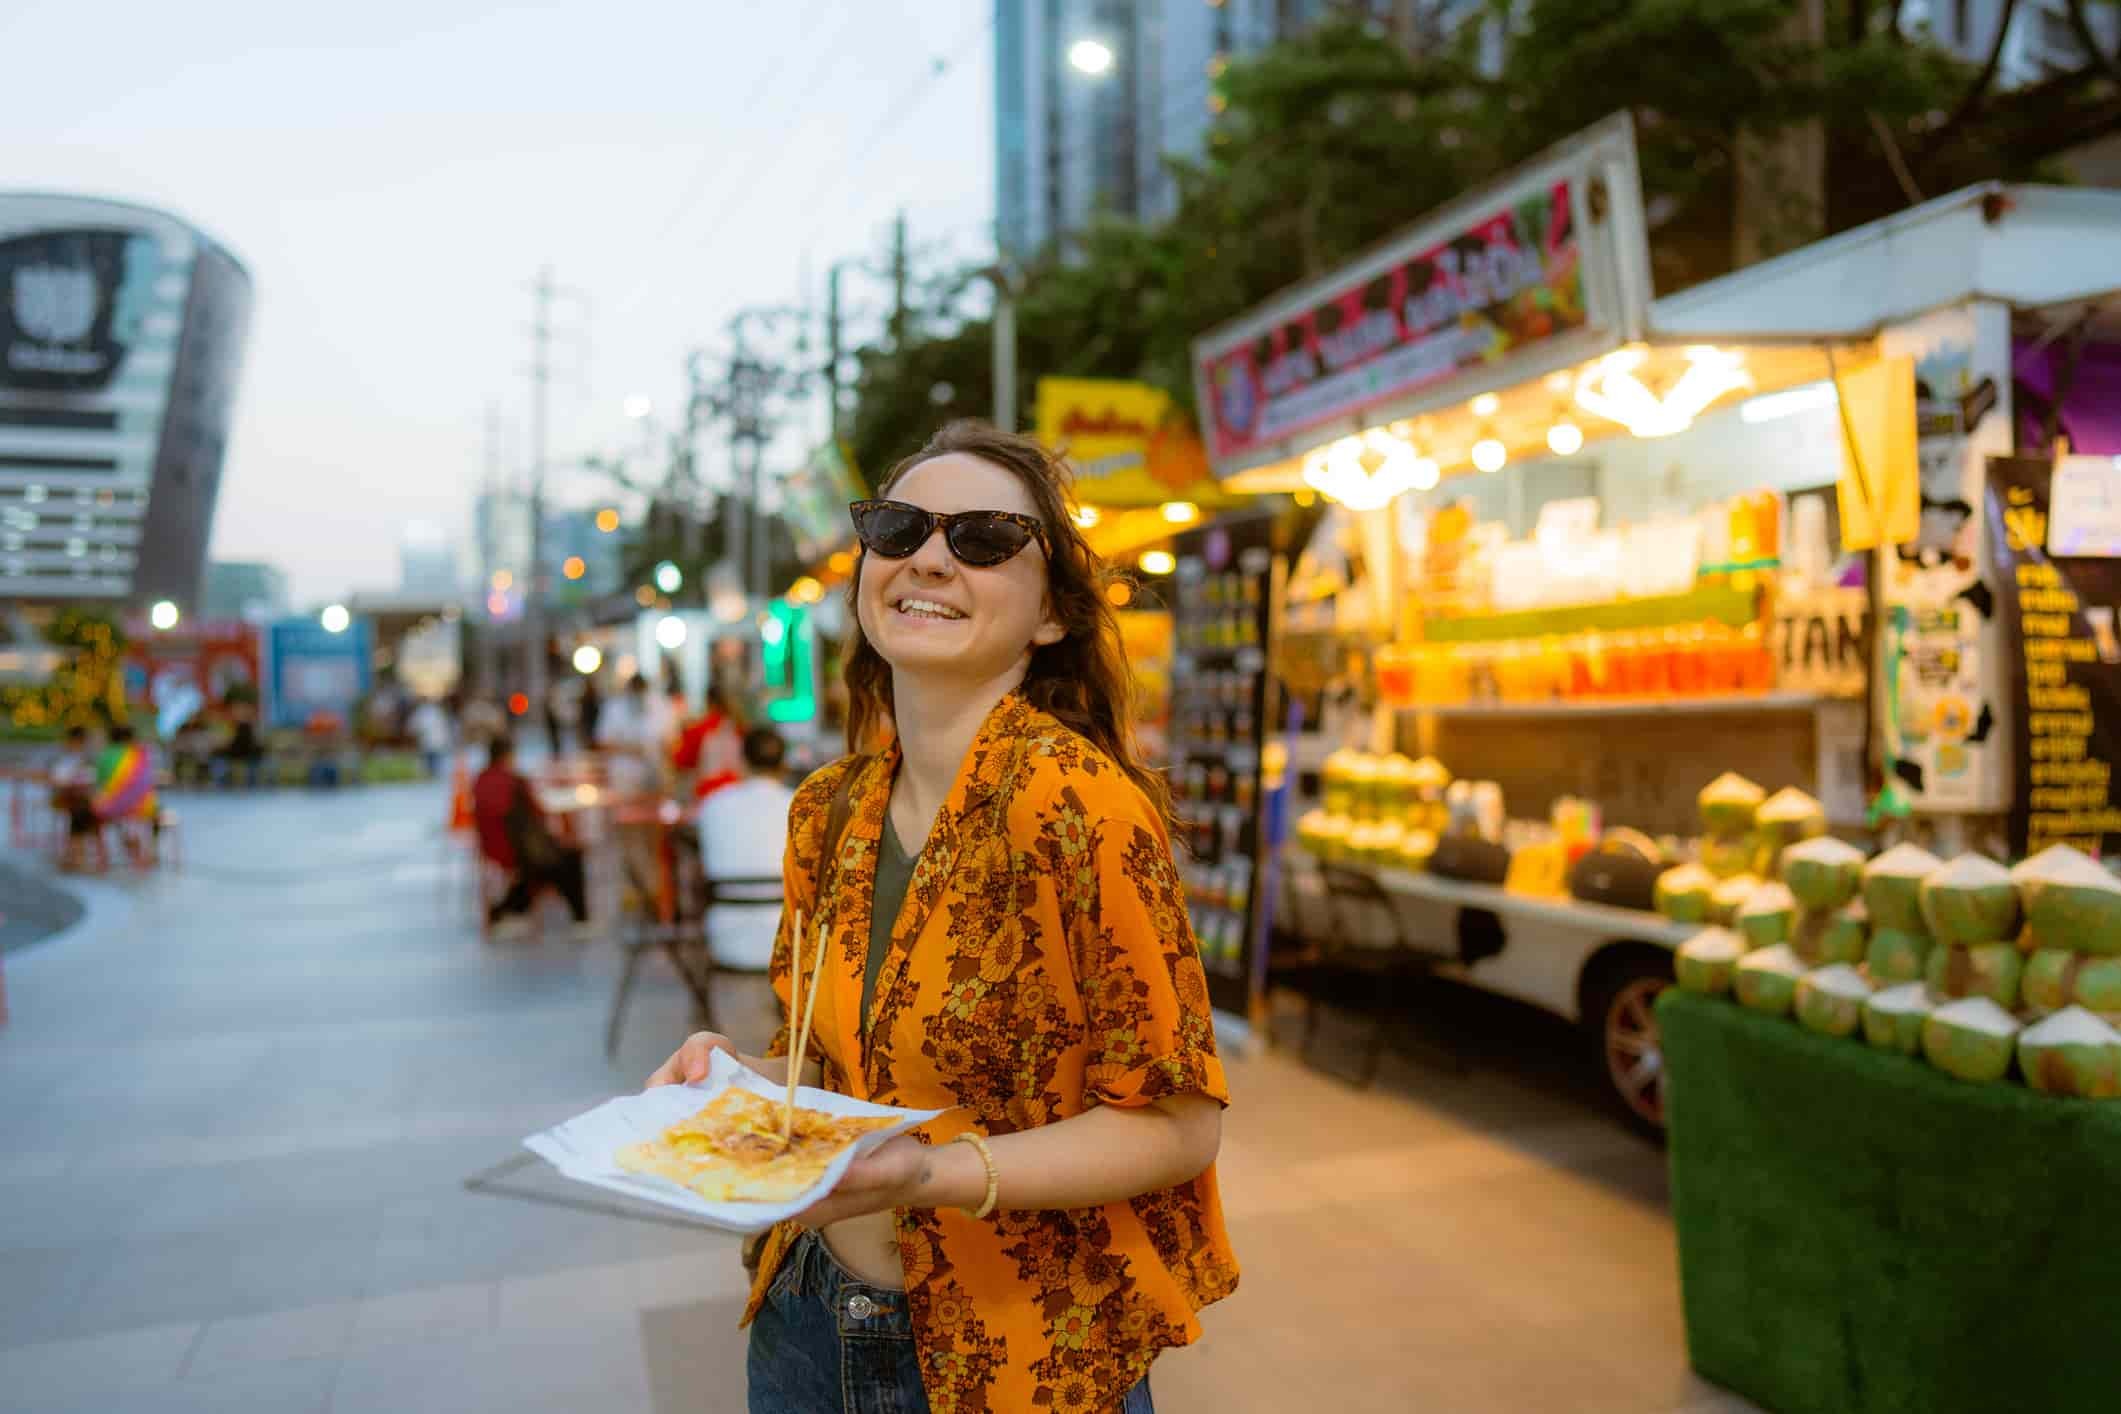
x=760 y=571
x=534 y=598
x=736 y=538
x=900 y=273
x=832 y=353
x=489 y=649
x=1004 y=353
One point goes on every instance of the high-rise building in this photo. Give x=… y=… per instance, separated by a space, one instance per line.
x=1071 y=145
x=244 y=589
x=2041 y=42
x=427 y=562
x=121 y=335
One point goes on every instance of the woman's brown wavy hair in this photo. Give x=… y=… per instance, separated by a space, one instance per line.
x=1083 y=679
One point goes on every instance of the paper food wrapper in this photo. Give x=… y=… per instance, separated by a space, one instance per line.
x=585 y=1148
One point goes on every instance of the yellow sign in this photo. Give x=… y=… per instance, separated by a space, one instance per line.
x=1130 y=446
x=1881 y=482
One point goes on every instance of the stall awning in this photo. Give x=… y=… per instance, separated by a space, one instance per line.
x=2026 y=246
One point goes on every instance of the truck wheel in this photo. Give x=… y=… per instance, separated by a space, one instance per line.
x=1622 y=1019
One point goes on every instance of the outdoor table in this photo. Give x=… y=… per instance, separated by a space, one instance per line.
x=32 y=819
x=652 y=812
x=1862 y=1234
x=569 y=804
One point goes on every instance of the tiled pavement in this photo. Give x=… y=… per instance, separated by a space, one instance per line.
x=237 y=1104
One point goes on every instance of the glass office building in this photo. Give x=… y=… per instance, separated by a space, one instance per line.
x=121 y=339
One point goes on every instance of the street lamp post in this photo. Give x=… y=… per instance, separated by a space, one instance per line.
x=1007 y=284
x=1094 y=59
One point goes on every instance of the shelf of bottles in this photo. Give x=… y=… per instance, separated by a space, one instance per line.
x=1220 y=602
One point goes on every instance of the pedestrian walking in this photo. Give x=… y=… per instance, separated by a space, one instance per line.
x=430 y=729
x=1005 y=938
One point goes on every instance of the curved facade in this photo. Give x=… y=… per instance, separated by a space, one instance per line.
x=121 y=339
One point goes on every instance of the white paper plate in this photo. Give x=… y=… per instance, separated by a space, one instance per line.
x=584 y=1148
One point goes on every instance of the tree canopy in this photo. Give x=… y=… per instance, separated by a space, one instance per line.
x=1332 y=142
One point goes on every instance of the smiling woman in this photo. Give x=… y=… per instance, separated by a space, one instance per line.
x=1006 y=940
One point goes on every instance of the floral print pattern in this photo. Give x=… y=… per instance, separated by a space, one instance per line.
x=1042 y=964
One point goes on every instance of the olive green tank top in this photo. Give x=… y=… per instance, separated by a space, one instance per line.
x=894 y=873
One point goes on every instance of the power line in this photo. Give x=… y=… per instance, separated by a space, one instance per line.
x=716 y=161
x=907 y=104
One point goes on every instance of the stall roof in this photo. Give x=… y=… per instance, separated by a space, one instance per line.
x=2027 y=246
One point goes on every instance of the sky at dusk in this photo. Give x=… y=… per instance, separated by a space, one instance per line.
x=395 y=174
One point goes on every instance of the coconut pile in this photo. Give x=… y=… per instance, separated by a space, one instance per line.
x=1978 y=970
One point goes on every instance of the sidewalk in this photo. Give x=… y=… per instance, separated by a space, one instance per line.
x=241 y=1102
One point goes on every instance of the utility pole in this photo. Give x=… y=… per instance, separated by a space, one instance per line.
x=535 y=625
x=832 y=353
x=899 y=272
x=489 y=648
x=1004 y=340
x=540 y=381
x=746 y=400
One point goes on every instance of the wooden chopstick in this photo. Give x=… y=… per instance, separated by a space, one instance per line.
x=802 y=1037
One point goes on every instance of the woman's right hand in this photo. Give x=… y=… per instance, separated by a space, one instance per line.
x=688 y=1063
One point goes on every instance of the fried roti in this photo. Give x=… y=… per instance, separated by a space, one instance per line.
x=731 y=1150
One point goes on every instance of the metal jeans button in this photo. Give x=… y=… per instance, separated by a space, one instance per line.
x=860 y=1307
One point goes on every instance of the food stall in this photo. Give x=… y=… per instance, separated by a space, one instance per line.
x=1589 y=551
x=1195 y=619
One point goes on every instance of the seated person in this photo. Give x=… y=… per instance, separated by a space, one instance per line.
x=73 y=790
x=743 y=831
x=709 y=751
x=242 y=749
x=125 y=783
x=513 y=833
x=190 y=751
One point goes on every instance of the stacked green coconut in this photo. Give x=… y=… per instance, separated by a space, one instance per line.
x=2072 y=975
x=1899 y=945
x=1728 y=807
x=1947 y=961
x=1788 y=817
x=1824 y=876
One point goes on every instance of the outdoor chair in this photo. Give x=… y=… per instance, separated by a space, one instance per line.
x=1371 y=963
x=1299 y=930
x=682 y=938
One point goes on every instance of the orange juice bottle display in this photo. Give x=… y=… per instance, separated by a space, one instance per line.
x=1654 y=678
x=1625 y=655
x=1758 y=662
x=1767 y=523
x=1395 y=674
x=1508 y=665
x=1745 y=535
x=1689 y=660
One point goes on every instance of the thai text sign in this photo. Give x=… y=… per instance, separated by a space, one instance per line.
x=1512 y=277
x=2064 y=663
x=1129 y=443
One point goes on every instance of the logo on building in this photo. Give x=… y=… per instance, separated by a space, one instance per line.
x=55 y=304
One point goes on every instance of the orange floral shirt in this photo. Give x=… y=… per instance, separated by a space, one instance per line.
x=1042 y=963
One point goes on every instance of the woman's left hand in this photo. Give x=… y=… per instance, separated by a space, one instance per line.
x=893 y=1175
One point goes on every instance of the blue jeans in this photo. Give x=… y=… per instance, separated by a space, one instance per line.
x=825 y=1341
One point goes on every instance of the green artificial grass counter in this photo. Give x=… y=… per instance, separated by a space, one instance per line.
x=1861 y=1234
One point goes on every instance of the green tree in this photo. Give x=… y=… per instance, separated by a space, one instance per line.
x=1336 y=140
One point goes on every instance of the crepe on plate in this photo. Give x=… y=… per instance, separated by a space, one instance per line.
x=731 y=1150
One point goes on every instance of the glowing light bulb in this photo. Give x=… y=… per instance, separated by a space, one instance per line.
x=1489 y=455
x=1565 y=438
